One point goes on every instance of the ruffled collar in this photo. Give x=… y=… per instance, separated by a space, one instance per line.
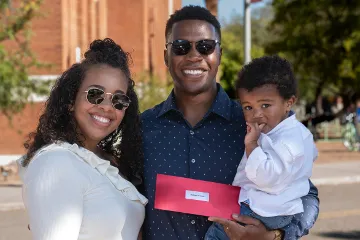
x=104 y=167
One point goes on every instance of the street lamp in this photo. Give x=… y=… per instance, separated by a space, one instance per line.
x=247 y=30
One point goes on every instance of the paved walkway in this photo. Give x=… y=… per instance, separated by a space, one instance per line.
x=336 y=165
x=336 y=173
x=335 y=152
x=10 y=198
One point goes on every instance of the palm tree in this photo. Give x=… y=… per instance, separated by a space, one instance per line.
x=212 y=6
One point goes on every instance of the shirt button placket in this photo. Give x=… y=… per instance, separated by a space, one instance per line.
x=191 y=154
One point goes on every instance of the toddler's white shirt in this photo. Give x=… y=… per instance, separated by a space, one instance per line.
x=276 y=174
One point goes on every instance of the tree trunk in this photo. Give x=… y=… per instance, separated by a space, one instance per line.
x=318 y=98
x=212 y=6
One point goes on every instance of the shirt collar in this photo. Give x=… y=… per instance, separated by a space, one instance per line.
x=168 y=105
x=221 y=105
x=286 y=122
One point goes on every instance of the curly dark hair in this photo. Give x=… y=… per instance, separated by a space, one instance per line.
x=192 y=12
x=57 y=123
x=268 y=70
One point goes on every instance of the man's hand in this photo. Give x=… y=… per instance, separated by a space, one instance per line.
x=250 y=228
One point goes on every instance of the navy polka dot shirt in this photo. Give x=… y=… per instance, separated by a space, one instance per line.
x=209 y=151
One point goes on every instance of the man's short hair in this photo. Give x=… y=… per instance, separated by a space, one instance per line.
x=192 y=12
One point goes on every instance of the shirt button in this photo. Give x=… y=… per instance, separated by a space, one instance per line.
x=191 y=132
x=193 y=222
x=193 y=160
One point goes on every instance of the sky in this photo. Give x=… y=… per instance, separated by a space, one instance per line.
x=227 y=8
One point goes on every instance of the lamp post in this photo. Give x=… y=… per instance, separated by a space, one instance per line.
x=247 y=30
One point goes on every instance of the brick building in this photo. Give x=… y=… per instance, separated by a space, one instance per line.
x=64 y=32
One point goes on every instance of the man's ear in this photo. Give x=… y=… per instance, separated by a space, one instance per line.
x=166 y=59
x=220 y=56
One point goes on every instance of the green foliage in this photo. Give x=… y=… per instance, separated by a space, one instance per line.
x=233 y=49
x=231 y=61
x=15 y=61
x=151 y=90
x=322 y=40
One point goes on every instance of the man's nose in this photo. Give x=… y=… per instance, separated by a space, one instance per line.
x=194 y=55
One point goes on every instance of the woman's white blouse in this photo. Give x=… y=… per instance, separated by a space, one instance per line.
x=70 y=193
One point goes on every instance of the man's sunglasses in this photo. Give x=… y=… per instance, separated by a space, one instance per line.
x=118 y=100
x=183 y=47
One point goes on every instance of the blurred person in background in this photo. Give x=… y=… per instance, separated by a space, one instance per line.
x=357 y=121
x=338 y=105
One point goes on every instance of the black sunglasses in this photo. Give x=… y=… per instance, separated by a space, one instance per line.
x=118 y=100
x=183 y=47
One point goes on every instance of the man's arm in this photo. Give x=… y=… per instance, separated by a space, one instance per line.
x=255 y=230
x=303 y=222
x=245 y=228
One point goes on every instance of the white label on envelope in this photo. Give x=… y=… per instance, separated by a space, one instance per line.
x=199 y=196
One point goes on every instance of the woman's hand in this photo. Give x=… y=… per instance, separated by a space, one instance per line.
x=248 y=229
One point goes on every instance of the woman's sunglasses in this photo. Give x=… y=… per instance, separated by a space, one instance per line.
x=183 y=47
x=118 y=100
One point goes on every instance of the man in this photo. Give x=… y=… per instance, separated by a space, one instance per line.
x=198 y=132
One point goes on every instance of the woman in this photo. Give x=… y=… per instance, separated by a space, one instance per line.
x=88 y=132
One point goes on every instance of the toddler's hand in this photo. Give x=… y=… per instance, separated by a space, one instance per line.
x=253 y=132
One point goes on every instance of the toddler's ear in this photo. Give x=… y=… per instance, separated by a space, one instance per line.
x=290 y=102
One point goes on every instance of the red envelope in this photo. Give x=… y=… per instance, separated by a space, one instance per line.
x=197 y=197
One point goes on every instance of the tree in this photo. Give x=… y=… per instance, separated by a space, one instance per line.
x=233 y=48
x=15 y=61
x=322 y=40
x=151 y=90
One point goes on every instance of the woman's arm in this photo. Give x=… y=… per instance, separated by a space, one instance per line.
x=53 y=196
